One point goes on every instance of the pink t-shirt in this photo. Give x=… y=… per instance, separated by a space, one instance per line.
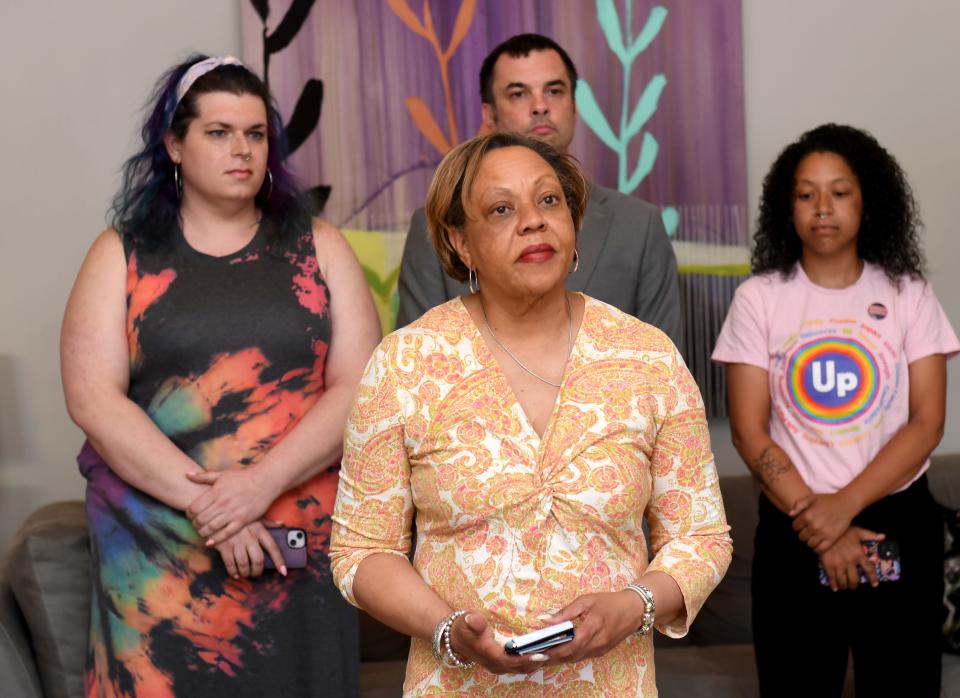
x=837 y=361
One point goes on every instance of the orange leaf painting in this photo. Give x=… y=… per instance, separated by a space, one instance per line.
x=461 y=26
x=428 y=23
x=422 y=118
x=424 y=121
x=403 y=11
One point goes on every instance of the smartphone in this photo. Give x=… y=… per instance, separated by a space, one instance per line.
x=885 y=556
x=293 y=546
x=541 y=639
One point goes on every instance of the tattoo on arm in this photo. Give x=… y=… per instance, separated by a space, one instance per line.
x=767 y=467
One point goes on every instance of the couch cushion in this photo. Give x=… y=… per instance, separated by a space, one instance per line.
x=950 y=682
x=725 y=617
x=382 y=679
x=708 y=672
x=722 y=671
x=380 y=643
x=49 y=571
x=944 y=479
x=951 y=579
x=17 y=668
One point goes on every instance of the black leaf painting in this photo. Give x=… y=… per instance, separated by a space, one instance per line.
x=289 y=26
x=262 y=7
x=306 y=112
x=317 y=196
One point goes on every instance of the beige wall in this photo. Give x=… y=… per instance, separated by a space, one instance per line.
x=75 y=75
x=889 y=66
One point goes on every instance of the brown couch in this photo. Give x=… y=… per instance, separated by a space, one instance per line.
x=44 y=589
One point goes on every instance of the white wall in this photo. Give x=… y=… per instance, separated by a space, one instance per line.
x=889 y=66
x=76 y=74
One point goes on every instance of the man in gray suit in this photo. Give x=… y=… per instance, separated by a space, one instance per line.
x=527 y=86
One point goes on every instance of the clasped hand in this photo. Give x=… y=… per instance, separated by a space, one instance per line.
x=235 y=498
x=842 y=560
x=820 y=519
x=602 y=622
x=243 y=553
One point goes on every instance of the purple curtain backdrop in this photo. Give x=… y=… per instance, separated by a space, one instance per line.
x=378 y=161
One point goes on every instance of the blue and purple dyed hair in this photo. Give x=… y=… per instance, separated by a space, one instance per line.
x=147 y=207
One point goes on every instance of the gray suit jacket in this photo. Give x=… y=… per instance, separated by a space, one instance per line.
x=626 y=260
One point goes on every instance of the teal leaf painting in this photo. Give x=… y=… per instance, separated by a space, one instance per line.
x=610 y=23
x=591 y=113
x=648 y=155
x=632 y=121
x=655 y=20
x=671 y=219
x=649 y=101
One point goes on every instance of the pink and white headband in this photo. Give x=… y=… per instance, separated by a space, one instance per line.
x=198 y=70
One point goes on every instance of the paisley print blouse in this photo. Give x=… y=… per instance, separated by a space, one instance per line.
x=516 y=525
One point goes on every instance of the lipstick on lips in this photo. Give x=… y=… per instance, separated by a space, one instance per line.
x=537 y=253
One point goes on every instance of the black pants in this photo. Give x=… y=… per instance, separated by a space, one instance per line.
x=803 y=631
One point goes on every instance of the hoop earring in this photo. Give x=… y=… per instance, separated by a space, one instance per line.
x=177 y=182
x=576 y=262
x=471 y=278
x=269 y=183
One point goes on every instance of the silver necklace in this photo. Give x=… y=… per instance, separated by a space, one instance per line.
x=517 y=361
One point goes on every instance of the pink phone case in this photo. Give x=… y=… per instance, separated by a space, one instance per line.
x=293 y=546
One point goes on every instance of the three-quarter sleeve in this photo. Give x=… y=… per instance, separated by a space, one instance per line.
x=374 y=507
x=688 y=529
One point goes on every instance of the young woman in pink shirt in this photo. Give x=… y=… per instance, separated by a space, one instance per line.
x=836 y=350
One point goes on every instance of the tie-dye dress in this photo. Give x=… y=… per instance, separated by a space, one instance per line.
x=226 y=355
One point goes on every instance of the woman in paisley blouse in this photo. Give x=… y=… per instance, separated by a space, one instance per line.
x=530 y=431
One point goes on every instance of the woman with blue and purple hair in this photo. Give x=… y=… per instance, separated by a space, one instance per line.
x=210 y=350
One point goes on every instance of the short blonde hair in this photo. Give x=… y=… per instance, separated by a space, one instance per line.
x=446 y=200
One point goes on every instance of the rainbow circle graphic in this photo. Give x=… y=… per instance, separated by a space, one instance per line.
x=832 y=380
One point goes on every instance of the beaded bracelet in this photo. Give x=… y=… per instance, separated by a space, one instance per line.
x=649 y=610
x=437 y=639
x=442 y=650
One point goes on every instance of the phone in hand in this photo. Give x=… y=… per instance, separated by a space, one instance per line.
x=883 y=554
x=541 y=639
x=293 y=546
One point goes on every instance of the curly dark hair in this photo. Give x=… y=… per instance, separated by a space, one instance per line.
x=889 y=226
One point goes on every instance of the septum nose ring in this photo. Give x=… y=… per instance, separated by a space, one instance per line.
x=821 y=216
